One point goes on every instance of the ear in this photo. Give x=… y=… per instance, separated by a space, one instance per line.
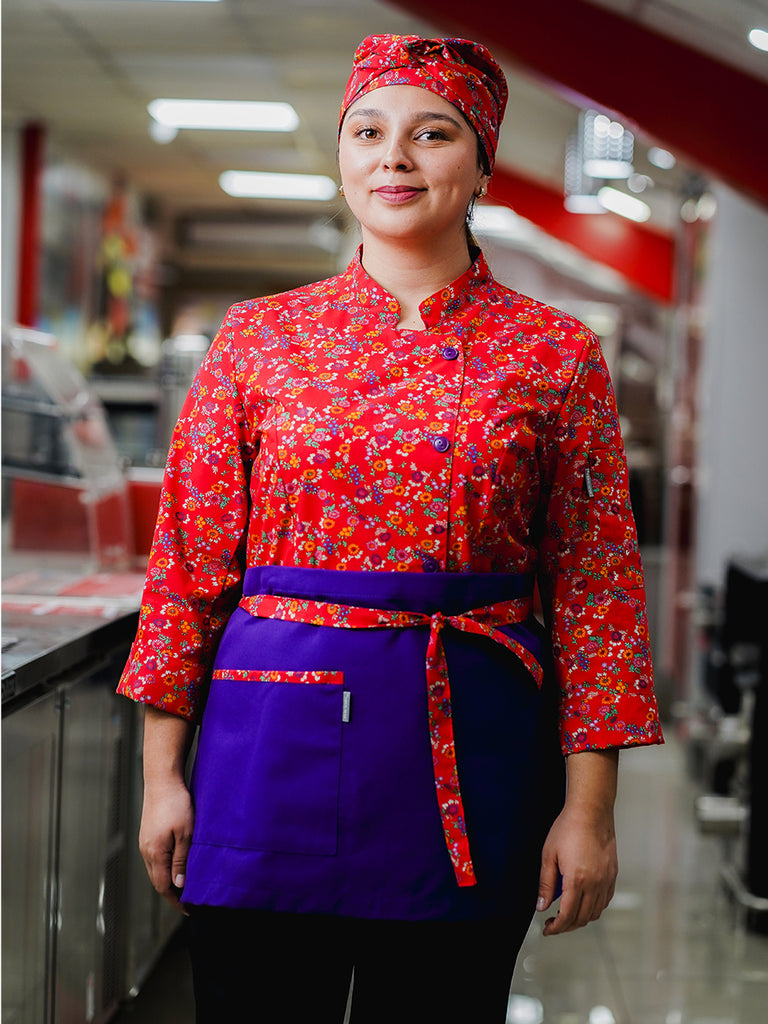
x=481 y=188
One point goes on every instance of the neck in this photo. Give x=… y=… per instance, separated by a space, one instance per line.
x=411 y=274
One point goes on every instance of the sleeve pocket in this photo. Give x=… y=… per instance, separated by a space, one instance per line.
x=615 y=537
x=268 y=763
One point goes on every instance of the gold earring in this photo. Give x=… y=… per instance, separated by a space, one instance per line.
x=482 y=193
x=341 y=189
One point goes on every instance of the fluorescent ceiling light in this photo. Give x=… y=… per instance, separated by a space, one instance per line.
x=661 y=158
x=225 y=115
x=607 y=168
x=626 y=206
x=263 y=185
x=759 y=38
x=583 y=204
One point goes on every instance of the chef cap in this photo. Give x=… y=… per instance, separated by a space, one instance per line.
x=462 y=72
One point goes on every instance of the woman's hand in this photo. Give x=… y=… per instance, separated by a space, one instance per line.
x=165 y=836
x=581 y=845
x=167 y=816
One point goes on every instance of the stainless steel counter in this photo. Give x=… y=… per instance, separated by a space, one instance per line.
x=55 y=621
x=81 y=923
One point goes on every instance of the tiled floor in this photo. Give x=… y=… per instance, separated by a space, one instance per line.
x=669 y=950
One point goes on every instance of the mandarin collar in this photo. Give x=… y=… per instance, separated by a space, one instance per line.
x=449 y=301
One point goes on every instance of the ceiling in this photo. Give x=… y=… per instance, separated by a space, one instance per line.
x=88 y=68
x=717 y=28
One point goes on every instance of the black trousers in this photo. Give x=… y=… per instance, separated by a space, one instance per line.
x=257 y=967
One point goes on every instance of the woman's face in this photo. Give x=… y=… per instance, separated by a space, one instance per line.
x=409 y=165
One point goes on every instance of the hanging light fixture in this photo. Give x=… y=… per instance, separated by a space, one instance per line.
x=580 y=191
x=607 y=146
x=601 y=150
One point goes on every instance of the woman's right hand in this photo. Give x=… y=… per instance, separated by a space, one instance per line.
x=165 y=836
x=168 y=815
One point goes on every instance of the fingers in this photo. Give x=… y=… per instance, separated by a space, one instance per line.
x=179 y=860
x=166 y=867
x=580 y=904
x=548 y=879
x=157 y=856
x=568 y=914
x=164 y=840
x=179 y=871
x=582 y=846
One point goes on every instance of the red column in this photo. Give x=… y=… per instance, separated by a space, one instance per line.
x=32 y=142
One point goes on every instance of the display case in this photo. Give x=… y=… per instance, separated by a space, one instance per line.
x=63 y=484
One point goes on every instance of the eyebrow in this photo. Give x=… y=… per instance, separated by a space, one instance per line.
x=420 y=115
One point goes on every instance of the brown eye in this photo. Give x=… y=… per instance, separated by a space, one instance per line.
x=433 y=135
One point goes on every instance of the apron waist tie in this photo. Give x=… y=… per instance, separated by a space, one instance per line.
x=482 y=621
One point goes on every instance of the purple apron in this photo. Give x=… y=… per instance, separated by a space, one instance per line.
x=313 y=781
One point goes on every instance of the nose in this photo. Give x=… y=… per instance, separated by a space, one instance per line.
x=396 y=156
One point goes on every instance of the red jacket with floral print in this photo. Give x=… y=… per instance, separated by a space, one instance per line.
x=317 y=434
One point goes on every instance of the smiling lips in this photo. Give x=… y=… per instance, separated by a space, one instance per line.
x=398 y=193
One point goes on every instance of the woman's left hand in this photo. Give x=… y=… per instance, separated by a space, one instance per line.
x=581 y=845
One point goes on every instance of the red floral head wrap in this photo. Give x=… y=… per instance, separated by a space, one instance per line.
x=462 y=72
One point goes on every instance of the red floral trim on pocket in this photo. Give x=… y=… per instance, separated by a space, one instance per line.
x=251 y=675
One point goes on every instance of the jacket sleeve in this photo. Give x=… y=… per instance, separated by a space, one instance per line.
x=591 y=578
x=197 y=559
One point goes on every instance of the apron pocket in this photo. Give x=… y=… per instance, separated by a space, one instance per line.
x=268 y=762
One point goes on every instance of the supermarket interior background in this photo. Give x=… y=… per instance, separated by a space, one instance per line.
x=631 y=190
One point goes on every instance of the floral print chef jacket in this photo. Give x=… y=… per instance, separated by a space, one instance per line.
x=317 y=434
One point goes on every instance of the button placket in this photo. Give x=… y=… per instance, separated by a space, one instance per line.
x=436 y=553
x=434 y=557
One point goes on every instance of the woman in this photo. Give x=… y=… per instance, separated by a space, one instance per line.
x=367 y=476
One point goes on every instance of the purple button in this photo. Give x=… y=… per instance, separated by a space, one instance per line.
x=430 y=564
x=450 y=352
x=441 y=443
